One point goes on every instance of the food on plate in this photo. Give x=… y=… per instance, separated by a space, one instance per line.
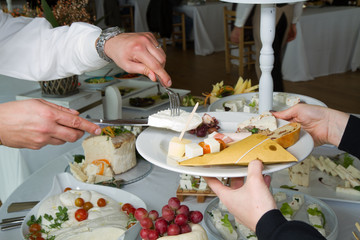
x=265 y=121
x=176 y=222
x=147 y=101
x=190 y=101
x=97 y=80
x=127 y=75
x=299 y=174
x=316 y=218
x=163 y=119
x=209 y=124
x=280 y=101
x=286 y=135
x=220 y=90
x=79 y=214
x=126 y=90
x=177 y=147
x=256 y=146
x=111 y=153
x=223 y=225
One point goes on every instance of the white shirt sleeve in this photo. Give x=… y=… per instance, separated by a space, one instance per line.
x=32 y=50
x=298 y=9
x=242 y=13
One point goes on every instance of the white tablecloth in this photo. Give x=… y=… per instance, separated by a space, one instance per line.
x=327 y=42
x=208 y=29
x=154 y=190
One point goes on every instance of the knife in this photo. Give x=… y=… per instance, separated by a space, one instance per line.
x=21 y=206
x=119 y=122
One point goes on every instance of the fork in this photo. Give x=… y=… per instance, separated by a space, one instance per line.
x=174 y=99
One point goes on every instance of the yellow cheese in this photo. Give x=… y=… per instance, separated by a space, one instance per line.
x=256 y=146
x=177 y=147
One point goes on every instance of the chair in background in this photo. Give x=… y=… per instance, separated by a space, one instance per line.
x=179 y=34
x=245 y=47
x=127 y=17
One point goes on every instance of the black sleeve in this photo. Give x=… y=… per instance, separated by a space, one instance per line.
x=273 y=226
x=349 y=141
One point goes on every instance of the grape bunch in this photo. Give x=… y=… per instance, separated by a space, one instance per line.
x=174 y=220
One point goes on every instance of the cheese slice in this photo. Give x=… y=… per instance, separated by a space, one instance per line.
x=256 y=146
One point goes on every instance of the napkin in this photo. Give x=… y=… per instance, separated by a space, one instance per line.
x=256 y=146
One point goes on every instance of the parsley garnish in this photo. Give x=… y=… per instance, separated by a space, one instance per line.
x=78 y=158
x=253 y=104
x=316 y=212
x=348 y=160
x=286 y=209
x=61 y=217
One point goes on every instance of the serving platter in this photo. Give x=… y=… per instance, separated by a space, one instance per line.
x=152 y=92
x=331 y=226
x=152 y=144
x=136 y=87
x=277 y=106
x=321 y=185
x=99 y=86
x=64 y=180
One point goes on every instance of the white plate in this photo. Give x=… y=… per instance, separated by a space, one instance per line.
x=316 y=188
x=99 y=86
x=276 y=105
x=152 y=92
x=63 y=180
x=102 y=71
x=138 y=85
x=153 y=143
x=331 y=226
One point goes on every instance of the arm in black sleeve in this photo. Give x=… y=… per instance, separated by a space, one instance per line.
x=349 y=141
x=273 y=226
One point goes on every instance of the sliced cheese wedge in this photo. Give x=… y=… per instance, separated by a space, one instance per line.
x=256 y=146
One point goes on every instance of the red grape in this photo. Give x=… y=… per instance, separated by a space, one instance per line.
x=161 y=225
x=185 y=228
x=181 y=219
x=174 y=203
x=152 y=235
x=167 y=213
x=196 y=216
x=183 y=209
x=146 y=223
x=140 y=213
x=144 y=233
x=153 y=214
x=173 y=229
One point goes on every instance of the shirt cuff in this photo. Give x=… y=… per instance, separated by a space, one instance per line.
x=268 y=223
x=349 y=141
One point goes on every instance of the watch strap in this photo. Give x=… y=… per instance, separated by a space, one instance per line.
x=105 y=35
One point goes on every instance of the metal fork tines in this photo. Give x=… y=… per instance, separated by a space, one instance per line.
x=174 y=100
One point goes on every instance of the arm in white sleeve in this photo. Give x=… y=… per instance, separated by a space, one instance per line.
x=298 y=9
x=31 y=49
x=242 y=13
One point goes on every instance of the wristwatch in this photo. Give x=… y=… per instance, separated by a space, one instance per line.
x=105 y=35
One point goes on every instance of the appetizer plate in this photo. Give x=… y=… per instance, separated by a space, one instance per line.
x=151 y=92
x=276 y=105
x=63 y=180
x=321 y=185
x=153 y=143
x=99 y=86
x=133 y=87
x=140 y=171
x=126 y=75
x=331 y=226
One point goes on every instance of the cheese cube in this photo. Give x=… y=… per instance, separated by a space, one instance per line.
x=299 y=174
x=240 y=102
x=214 y=145
x=193 y=150
x=232 y=105
x=295 y=205
x=177 y=147
x=280 y=97
x=354 y=171
x=299 y=198
x=186 y=176
x=280 y=196
x=186 y=184
x=249 y=109
x=255 y=99
x=203 y=186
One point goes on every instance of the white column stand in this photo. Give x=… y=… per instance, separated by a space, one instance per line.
x=267 y=35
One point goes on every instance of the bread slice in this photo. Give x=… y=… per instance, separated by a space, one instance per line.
x=286 y=135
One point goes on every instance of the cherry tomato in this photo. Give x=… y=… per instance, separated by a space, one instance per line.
x=101 y=202
x=81 y=215
x=35 y=235
x=130 y=225
x=79 y=202
x=87 y=206
x=222 y=144
x=67 y=189
x=40 y=238
x=34 y=228
x=206 y=147
x=126 y=206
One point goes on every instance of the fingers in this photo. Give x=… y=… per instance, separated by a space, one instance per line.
x=78 y=123
x=61 y=108
x=236 y=183
x=255 y=169
x=215 y=185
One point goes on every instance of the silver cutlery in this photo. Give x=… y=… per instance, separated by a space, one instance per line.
x=21 y=206
x=11 y=223
x=174 y=99
x=120 y=122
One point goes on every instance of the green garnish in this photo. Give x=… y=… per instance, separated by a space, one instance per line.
x=286 y=209
x=78 y=158
x=250 y=236
x=357 y=188
x=227 y=223
x=288 y=187
x=61 y=217
x=316 y=212
x=348 y=160
x=254 y=130
x=34 y=220
x=253 y=104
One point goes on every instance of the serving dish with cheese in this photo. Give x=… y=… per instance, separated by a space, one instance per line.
x=65 y=180
x=153 y=145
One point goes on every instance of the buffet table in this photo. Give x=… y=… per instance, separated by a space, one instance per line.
x=327 y=42
x=154 y=190
x=208 y=29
